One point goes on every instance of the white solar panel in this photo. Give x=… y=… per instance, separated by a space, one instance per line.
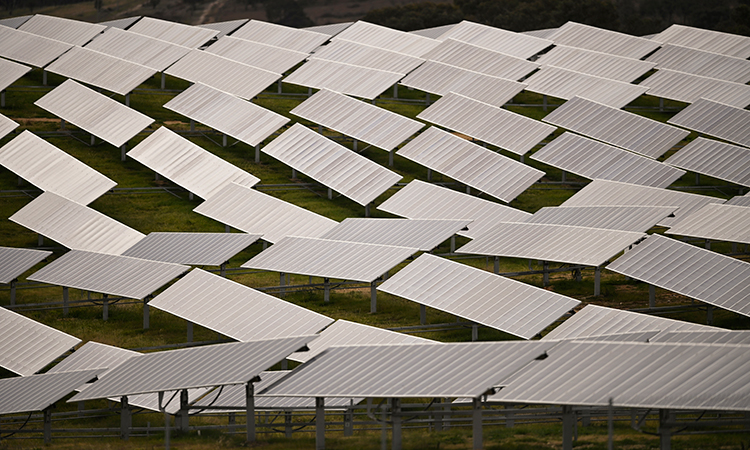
x=600 y=40
x=6 y=125
x=266 y=57
x=69 y=31
x=345 y=78
x=424 y=234
x=146 y=51
x=709 y=40
x=10 y=72
x=714 y=221
x=698 y=62
x=387 y=38
x=176 y=33
x=479 y=59
x=281 y=36
x=714 y=158
x=688 y=88
x=716 y=119
x=28 y=48
x=496 y=39
x=596 y=63
x=358 y=54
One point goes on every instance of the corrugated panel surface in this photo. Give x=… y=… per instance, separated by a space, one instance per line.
x=543 y=33
x=593 y=159
x=434 y=32
x=566 y=84
x=345 y=78
x=29 y=48
x=69 y=31
x=195 y=249
x=689 y=270
x=94 y=112
x=614 y=126
x=281 y=36
x=477 y=295
x=514 y=44
x=75 y=226
x=10 y=72
x=471 y=164
x=176 y=33
x=613 y=193
x=35 y=393
x=365 y=122
x=233 y=363
x=409 y=371
x=438 y=78
x=344 y=332
x=387 y=38
x=709 y=40
x=625 y=218
x=367 y=56
x=599 y=64
x=108 y=274
x=93 y=355
x=717 y=222
x=698 y=62
x=146 y=51
x=6 y=125
x=424 y=234
x=51 y=169
x=688 y=88
x=16 y=261
x=640 y=336
x=224 y=74
x=479 y=59
x=739 y=200
x=263 y=56
x=188 y=165
x=15 y=22
x=714 y=158
x=331 y=29
x=331 y=164
x=705 y=337
x=257 y=213
x=27 y=346
x=496 y=126
x=234 y=310
x=420 y=200
x=587 y=37
x=243 y=120
x=638 y=375
x=330 y=259
x=121 y=23
x=716 y=119
x=595 y=320
x=225 y=27
x=558 y=243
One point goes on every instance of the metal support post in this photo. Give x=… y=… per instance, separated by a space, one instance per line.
x=390 y=157
x=427 y=99
x=163 y=409
x=223 y=140
x=709 y=315
x=611 y=426
x=192 y=125
x=309 y=92
x=544 y=103
x=708 y=244
x=257 y=153
x=383 y=429
x=569 y=419
x=105 y=307
x=294 y=174
x=39 y=240
x=367 y=210
x=163 y=81
x=13 y=292
x=93 y=139
x=395 y=90
x=396 y=426
x=189 y=331
x=282 y=282
x=326 y=290
x=468 y=189
x=183 y=415
x=123 y=150
x=250 y=412
x=509 y=419
x=146 y=313
x=278 y=90
x=373 y=297
x=2 y=99
x=474 y=333
x=477 y=423
x=651 y=296
x=47 y=423
x=429 y=174
x=330 y=194
x=545 y=273
x=597 y=281
x=44 y=77
x=320 y=423
x=453 y=243
x=126 y=420
x=697 y=178
x=422 y=314
x=665 y=433
x=65 y=301
x=563 y=176
x=227 y=229
x=348 y=422
x=190 y=196
x=661 y=104
x=446 y=413
x=497 y=264
x=223 y=270
x=62 y=124
x=287 y=424
x=354 y=145
x=127 y=99
x=521 y=158
x=438 y=414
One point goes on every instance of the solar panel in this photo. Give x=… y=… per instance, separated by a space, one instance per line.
x=558 y=243
x=698 y=62
x=93 y=355
x=626 y=218
x=331 y=29
x=613 y=126
x=688 y=88
x=330 y=259
x=613 y=193
x=424 y=234
x=438 y=78
x=688 y=270
x=331 y=164
x=420 y=200
x=94 y=112
x=363 y=55
x=10 y=72
x=714 y=158
x=599 y=64
x=434 y=32
x=72 y=32
x=281 y=36
x=479 y=59
x=596 y=39
x=544 y=33
x=739 y=201
x=594 y=320
x=256 y=54
x=27 y=346
x=38 y=392
x=146 y=51
x=717 y=222
x=6 y=125
x=225 y=27
x=471 y=164
x=640 y=336
x=223 y=74
x=705 y=337
x=364 y=122
x=16 y=261
x=29 y=48
x=108 y=274
x=234 y=310
x=716 y=119
x=176 y=33
x=709 y=40
x=345 y=78
x=566 y=84
x=222 y=364
x=15 y=22
x=195 y=249
x=387 y=38
x=243 y=120
x=477 y=295
x=595 y=160
x=409 y=371
x=505 y=129
x=344 y=332
x=121 y=23
x=496 y=39
x=187 y=164
x=254 y=212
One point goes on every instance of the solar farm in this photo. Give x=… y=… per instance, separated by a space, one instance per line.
x=353 y=236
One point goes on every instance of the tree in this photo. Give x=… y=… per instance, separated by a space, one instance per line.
x=415 y=16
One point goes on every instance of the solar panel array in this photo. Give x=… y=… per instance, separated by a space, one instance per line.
x=709 y=40
x=6 y=125
x=716 y=119
x=424 y=234
x=387 y=38
x=15 y=261
x=195 y=249
x=72 y=32
x=263 y=56
x=363 y=55
x=479 y=59
x=596 y=39
x=28 y=48
x=496 y=39
x=716 y=221
x=281 y=36
x=688 y=88
x=625 y=218
x=146 y=51
x=594 y=63
x=37 y=392
x=10 y=72
x=176 y=33
x=698 y=62
x=345 y=78
x=714 y=158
